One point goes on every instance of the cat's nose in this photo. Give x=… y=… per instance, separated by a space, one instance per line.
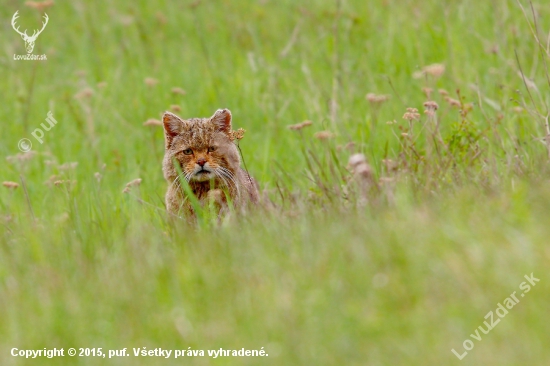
x=201 y=161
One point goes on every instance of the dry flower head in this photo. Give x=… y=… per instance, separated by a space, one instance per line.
x=350 y=146
x=151 y=81
x=50 y=181
x=453 y=102
x=362 y=175
x=84 y=93
x=435 y=70
x=134 y=183
x=21 y=157
x=356 y=159
x=377 y=98
x=431 y=107
x=39 y=5
x=427 y=92
x=301 y=125
x=66 y=182
x=152 y=122
x=323 y=135
x=10 y=185
x=68 y=166
x=237 y=135
x=179 y=91
x=411 y=114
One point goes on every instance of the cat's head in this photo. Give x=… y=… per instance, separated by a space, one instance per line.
x=202 y=146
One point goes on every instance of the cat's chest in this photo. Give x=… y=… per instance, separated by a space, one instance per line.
x=201 y=189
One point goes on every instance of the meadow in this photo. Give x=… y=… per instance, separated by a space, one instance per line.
x=402 y=149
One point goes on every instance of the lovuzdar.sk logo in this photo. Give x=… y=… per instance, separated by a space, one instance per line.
x=29 y=40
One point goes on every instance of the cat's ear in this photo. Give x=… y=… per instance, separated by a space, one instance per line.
x=222 y=120
x=172 y=127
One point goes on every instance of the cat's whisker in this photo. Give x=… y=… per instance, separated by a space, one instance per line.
x=228 y=175
x=219 y=175
x=219 y=172
x=176 y=181
x=222 y=178
x=227 y=171
x=232 y=180
x=223 y=172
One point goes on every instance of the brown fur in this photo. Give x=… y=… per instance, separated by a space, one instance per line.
x=205 y=141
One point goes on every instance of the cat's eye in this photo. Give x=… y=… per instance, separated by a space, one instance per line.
x=188 y=151
x=211 y=148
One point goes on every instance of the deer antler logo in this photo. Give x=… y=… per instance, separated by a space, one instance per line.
x=29 y=40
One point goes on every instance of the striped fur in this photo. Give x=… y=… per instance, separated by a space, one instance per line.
x=209 y=162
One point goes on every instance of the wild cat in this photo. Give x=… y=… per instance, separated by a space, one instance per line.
x=208 y=160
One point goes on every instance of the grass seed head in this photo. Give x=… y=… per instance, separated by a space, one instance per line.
x=10 y=185
x=134 y=183
x=84 y=93
x=323 y=135
x=434 y=70
x=66 y=182
x=300 y=126
x=152 y=122
x=39 y=5
x=179 y=91
x=453 y=102
x=151 y=81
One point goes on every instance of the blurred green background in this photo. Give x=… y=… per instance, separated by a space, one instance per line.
x=314 y=277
